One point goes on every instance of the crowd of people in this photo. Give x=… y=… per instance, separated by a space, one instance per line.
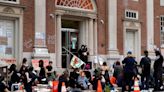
x=129 y=70
x=27 y=76
x=123 y=75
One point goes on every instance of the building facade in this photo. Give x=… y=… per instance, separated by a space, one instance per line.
x=52 y=29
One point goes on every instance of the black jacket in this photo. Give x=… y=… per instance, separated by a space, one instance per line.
x=158 y=63
x=146 y=65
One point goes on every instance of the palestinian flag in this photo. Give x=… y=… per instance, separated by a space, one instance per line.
x=76 y=62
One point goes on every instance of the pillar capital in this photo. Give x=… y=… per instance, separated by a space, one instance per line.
x=59 y=12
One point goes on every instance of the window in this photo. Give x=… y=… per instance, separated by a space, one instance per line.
x=161 y=2
x=10 y=1
x=6 y=38
x=135 y=0
x=162 y=30
x=129 y=14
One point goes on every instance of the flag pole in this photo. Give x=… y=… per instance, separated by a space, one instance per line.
x=72 y=53
x=68 y=51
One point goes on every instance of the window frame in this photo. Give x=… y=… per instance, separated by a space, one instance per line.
x=12 y=2
x=131 y=14
x=135 y=0
x=162 y=31
x=161 y=2
x=13 y=54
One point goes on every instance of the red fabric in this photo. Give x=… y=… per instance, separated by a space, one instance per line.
x=55 y=86
x=112 y=80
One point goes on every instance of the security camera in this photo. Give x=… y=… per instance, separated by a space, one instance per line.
x=102 y=21
x=51 y=15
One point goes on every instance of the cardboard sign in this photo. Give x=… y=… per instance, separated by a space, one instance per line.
x=35 y=63
x=40 y=38
x=3 y=40
x=6 y=61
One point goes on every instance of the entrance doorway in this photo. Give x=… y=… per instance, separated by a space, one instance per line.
x=69 y=45
x=70 y=41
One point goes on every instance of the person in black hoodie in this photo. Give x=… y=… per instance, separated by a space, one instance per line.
x=14 y=75
x=63 y=78
x=73 y=78
x=129 y=70
x=83 y=53
x=145 y=64
x=33 y=76
x=95 y=78
x=158 y=70
x=24 y=80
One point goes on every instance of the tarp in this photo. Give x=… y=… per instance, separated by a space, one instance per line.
x=35 y=63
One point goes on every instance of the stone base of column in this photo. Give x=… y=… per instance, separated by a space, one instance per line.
x=113 y=53
x=40 y=53
x=97 y=60
x=113 y=56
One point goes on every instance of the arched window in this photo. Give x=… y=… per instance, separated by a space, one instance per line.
x=81 y=4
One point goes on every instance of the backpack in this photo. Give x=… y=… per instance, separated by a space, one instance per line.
x=106 y=76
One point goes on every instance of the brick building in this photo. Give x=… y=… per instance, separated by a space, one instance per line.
x=42 y=29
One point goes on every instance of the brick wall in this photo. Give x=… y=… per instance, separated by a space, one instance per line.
x=50 y=25
x=132 y=5
x=102 y=28
x=158 y=10
x=28 y=25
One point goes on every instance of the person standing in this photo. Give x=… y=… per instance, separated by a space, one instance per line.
x=145 y=64
x=158 y=70
x=83 y=53
x=129 y=70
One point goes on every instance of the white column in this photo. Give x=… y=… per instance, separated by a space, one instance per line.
x=40 y=17
x=17 y=46
x=112 y=27
x=150 y=24
x=58 y=41
x=40 y=50
x=20 y=55
x=86 y=34
x=95 y=37
x=90 y=36
x=82 y=34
